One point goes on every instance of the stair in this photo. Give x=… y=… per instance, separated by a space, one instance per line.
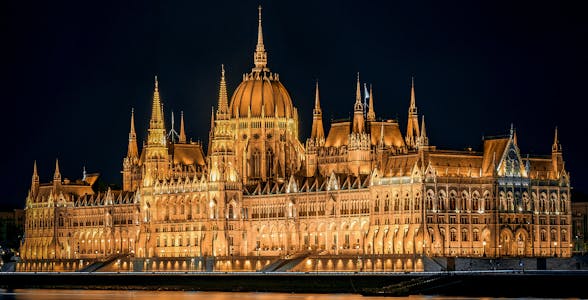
x=93 y=267
x=286 y=264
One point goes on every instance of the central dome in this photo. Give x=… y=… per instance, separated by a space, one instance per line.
x=260 y=92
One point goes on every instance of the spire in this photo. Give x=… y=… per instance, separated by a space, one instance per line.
x=57 y=174
x=156 y=110
x=84 y=173
x=358 y=105
x=132 y=150
x=317 y=103
x=260 y=56
x=412 y=109
x=412 y=128
x=358 y=120
x=423 y=139
x=371 y=115
x=212 y=119
x=317 y=132
x=223 y=103
x=556 y=147
x=35 y=174
x=182 y=132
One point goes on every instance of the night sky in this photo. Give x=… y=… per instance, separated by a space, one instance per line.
x=72 y=70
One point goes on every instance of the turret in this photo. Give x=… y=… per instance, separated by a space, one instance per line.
x=223 y=102
x=423 y=139
x=371 y=115
x=412 y=128
x=156 y=152
x=35 y=180
x=132 y=149
x=556 y=157
x=56 y=175
x=317 y=132
x=358 y=121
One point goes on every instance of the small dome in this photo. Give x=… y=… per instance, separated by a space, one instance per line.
x=257 y=92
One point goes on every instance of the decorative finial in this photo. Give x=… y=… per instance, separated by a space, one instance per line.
x=260 y=56
x=156 y=84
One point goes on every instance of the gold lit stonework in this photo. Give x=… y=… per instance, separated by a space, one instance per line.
x=259 y=195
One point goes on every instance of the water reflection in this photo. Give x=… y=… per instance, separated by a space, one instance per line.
x=56 y=294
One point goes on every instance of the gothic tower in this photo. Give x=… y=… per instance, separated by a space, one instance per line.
x=156 y=162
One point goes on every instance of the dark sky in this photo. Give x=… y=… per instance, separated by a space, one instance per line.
x=72 y=70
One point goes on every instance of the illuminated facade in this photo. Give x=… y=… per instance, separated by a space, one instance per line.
x=362 y=188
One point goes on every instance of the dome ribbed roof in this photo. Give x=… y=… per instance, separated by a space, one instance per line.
x=261 y=92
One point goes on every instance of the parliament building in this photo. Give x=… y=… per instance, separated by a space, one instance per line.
x=369 y=192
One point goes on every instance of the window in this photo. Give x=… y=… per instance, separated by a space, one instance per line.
x=475 y=236
x=464 y=235
x=453 y=235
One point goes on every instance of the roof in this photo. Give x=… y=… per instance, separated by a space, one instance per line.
x=188 y=154
x=392 y=135
x=257 y=93
x=338 y=134
x=493 y=151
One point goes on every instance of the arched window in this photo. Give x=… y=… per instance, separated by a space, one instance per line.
x=502 y=199
x=475 y=201
x=526 y=201
x=552 y=202
x=563 y=203
x=407 y=201
x=487 y=200
x=430 y=198
x=255 y=164
x=452 y=200
x=463 y=205
x=543 y=202
x=441 y=200
x=269 y=162
x=231 y=213
x=509 y=201
x=396 y=202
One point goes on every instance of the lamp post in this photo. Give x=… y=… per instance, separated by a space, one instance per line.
x=555 y=249
x=483 y=248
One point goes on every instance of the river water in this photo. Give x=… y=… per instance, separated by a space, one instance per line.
x=55 y=294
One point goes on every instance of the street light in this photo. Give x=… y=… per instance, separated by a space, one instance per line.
x=484 y=248
x=555 y=249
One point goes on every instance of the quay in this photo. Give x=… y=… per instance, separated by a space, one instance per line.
x=500 y=283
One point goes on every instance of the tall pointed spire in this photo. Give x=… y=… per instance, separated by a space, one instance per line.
x=412 y=109
x=223 y=103
x=412 y=128
x=317 y=102
x=423 y=139
x=35 y=178
x=371 y=115
x=156 y=135
x=317 y=132
x=156 y=109
x=556 y=147
x=358 y=120
x=132 y=150
x=358 y=105
x=260 y=56
x=57 y=174
x=182 y=132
